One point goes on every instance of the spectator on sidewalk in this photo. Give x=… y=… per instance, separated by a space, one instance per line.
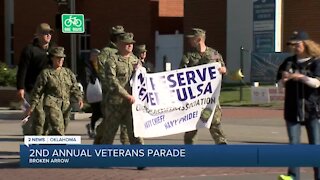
x=34 y=58
x=300 y=76
x=92 y=77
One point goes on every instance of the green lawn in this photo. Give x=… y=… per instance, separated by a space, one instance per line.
x=230 y=96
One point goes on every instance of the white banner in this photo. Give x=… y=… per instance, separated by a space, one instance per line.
x=175 y=101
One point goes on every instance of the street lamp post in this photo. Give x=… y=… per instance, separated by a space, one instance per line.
x=73 y=50
x=241 y=67
x=73 y=40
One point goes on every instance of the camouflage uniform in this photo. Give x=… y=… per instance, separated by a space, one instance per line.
x=195 y=58
x=105 y=55
x=117 y=111
x=106 y=52
x=57 y=87
x=36 y=125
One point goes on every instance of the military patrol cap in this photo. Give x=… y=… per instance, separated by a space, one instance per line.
x=140 y=48
x=126 y=38
x=44 y=28
x=298 y=36
x=195 y=32
x=115 y=30
x=57 y=51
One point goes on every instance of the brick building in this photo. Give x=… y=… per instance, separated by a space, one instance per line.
x=301 y=15
x=141 y=17
x=211 y=16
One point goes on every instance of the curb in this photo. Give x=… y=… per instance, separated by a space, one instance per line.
x=18 y=115
x=80 y=116
x=11 y=114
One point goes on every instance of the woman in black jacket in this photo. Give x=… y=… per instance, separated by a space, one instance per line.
x=300 y=75
x=92 y=76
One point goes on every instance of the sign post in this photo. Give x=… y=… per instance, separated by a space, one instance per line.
x=72 y=23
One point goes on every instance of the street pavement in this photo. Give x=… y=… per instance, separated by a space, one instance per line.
x=242 y=125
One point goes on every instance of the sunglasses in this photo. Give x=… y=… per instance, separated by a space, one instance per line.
x=58 y=58
x=46 y=33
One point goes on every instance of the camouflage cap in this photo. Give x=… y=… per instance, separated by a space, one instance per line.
x=44 y=28
x=57 y=51
x=195 y=32
x=140 y=48
x=126 y=38
x=115 y=30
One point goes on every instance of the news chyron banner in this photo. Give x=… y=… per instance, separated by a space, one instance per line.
x=100 y=156
x=175 y=101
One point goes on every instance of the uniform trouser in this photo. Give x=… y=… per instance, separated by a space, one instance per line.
x=37 y=124
x=58 y=117
x=114 y=116
x=124 y=139
x=215 y=130
x=96 y=114
x=294 y=133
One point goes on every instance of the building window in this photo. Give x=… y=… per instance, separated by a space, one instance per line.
x=85 y=41
x=12 y=45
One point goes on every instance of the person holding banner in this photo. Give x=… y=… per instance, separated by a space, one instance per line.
x=34 y=58
x=118 y=71
x=92 y=78
x=300 y=75
x=110 y=50
x=56 y=84
x=202 y=54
